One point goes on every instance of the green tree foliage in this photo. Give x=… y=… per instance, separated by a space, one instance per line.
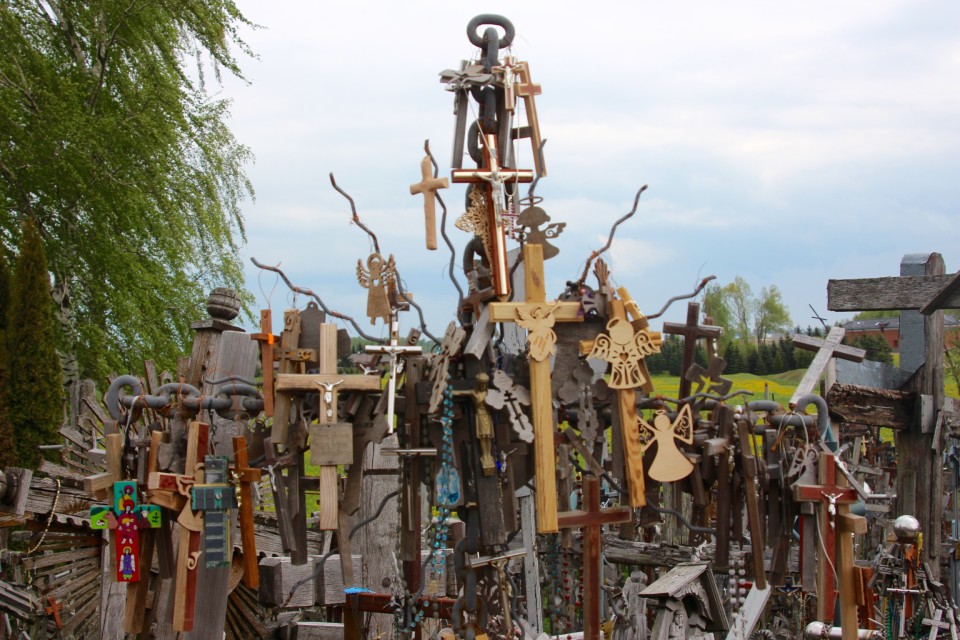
x=7 y=452
x=716 y=307
x=734 y=358
x=111 y=143
x=770 y=313
x=33 y=389
x=742 y=304
x=876 y=347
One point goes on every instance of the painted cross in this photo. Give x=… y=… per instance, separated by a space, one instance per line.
x=538 y=316
x=126 y=518
x=267 y=341
x=591 y=520
x=691 y=332
x=246 y=476
x=826 y=349
x=829 y=496
x=494 y=176
x=428 y=186
x=215 y=497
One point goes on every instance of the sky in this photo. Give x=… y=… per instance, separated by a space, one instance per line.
x=788 y=143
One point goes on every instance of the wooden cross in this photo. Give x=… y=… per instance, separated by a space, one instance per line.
x=267 y=341
x=709 y=380
x=393 y=350
x=329 y=384
x=829 y=496
x=527 y=90
x=494 y=176
x=591 y=520
x=428 y=186
x=691 y=332
x=135 y=612
x=215 y=497
x=246 y=476
x=125 y=518
x=826 y=349
x=54 y=608
x=537 y=316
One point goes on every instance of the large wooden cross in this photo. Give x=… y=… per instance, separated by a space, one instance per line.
x=527 y=91
x=538 y=316
x=329 y=384
x=494 y=176
x=691 y=332
x=428 y=186
x=826 y=349
x=591 y=520
x=833 y=502
x=267 y=355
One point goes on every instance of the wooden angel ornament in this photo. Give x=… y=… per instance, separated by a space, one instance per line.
x=378 y=278
x=670 y=464
x=624 y=348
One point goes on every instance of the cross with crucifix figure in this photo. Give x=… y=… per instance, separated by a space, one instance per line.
x=691 y=332
x=428 y=186
x=591 y=520
x=393 y=351
x=828 y=348
x=538 y=316
x=494 y=177
x=829 y=496
x=126 y=518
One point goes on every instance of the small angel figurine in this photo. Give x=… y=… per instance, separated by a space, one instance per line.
x=670 y=464
x=624 y=348
x=378 y=278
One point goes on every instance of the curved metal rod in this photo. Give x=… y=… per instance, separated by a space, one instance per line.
x=241 y=379
x=309 y=292
x=319 y=568
x=356 y=216
x=687 y=296
x=613 y=231
x=443 y=225
x=683 y=521
x=423 y=323
x=823 y=417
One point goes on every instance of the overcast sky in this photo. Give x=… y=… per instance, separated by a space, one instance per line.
x=788 y=143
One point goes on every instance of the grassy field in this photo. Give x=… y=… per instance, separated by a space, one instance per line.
x=778 y=387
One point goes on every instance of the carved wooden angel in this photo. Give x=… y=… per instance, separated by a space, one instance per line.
x=625 y=348
x=531 y=219
x=379 y=278
x=670 y=464
x=537 y=318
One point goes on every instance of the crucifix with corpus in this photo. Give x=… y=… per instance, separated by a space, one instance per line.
x=493 y=176
x=538 y=316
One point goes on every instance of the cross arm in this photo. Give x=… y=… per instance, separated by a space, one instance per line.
x=507 y=311
x=581 y=518
x=846 y=352
x=819 y=493
x=889 y=294
x=292 y=382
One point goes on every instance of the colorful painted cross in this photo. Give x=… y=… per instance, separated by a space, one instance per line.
x=494 y=176
x=126 y=518
x=538 y=317
x=215 y=497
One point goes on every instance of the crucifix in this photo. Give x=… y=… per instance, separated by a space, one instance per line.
x=246 y=476
x=331 y=442
x=494 y=176
x=591 y=520
x=826 y=349
x=538 y=317
x=832 y=502
x=126 y=518
x=428 y=186
x=393 y=350
x=267 y=355
x=633 y=375
x=691 y=332
x=54 y=608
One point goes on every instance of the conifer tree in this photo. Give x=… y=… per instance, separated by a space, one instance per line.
x=33 y=386
x=7 y=454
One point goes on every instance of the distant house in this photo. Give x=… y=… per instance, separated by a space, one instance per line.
x=889 y=330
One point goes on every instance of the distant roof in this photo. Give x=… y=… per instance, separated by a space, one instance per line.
x=890 y=324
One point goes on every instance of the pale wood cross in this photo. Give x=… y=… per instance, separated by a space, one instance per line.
x=527 y=91
x=691 y=332
x=537 y=316
x=494 y=176
x=591 y=519
x=428 y=186
x=826 y=349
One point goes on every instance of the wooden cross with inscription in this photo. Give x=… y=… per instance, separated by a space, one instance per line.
x=833 y=502
x=246 y=476
x=591 y=520
x=428 y=186
x=691 y=332
x=331 y=443
x=538 y=316
x=826 y=349
x=494 y=176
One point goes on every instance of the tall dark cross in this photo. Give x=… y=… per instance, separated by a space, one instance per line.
x=267 y=355
x=215 y=497
x=691 y=332
x=590 y=520
x=826 y=349
x=494 y=176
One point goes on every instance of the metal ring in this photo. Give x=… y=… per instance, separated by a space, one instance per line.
x=492 y=19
